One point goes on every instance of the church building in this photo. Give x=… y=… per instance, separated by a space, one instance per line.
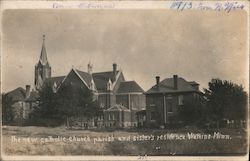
x=109 y=87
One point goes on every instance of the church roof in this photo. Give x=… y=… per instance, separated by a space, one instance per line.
x=85 y=76
x=101 y=79
x=58 y=80
x=17 y=94
x=167 y=86
x=129 y=86
x=105 y=75
x=43 y=57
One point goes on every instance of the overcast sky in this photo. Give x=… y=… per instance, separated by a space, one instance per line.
x=144 y=43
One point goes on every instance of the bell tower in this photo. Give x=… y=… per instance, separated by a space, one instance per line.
x=42 y=68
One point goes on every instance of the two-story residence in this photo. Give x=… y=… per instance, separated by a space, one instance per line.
x=165 y=98
x=24 y=100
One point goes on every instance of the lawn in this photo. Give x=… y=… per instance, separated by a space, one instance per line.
x=33 y=140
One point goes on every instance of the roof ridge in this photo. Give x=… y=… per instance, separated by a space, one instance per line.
x=16 y=89
x=129 y=81
x=130 y=87
x=167 y=85
x=105 y=72
x=57 y=76
x=81 y=71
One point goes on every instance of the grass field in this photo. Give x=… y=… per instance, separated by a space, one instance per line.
x=49 y=141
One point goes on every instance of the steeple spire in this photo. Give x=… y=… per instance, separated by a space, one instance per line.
x=43 y=57
x=42 y=68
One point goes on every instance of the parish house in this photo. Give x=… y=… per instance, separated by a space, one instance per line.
x=166 y=97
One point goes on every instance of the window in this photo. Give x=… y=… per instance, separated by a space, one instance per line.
x=100 y=117
x=152 y=105
x=153 y=115
x=180 y=99
x=170 y=106
x=111 y=116
x=133 y=106
x=151 y=101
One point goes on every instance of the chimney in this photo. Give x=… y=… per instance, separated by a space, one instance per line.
x=90 y=68
x=157 y=78
x=175 y=81
x=27 y=92
x=114 y=71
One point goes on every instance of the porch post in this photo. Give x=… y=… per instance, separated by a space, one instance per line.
x=165 y=109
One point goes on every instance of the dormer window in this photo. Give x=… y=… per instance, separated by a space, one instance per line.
x=54 y=88
x=109 y=85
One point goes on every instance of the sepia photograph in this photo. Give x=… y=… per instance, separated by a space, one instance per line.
x=96 y=80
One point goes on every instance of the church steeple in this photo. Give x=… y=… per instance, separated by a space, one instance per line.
x=43 y=57
x=42 y=68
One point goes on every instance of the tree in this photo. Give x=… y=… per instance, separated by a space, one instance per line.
x=7 y=109
x=191 y=112
x=89 y=107
x=225 y=100
x=47 y=113
x=68 y=102
x=76 y=102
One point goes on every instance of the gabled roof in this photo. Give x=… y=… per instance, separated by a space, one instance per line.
x=17 y=94
x=129 y=87
x=118 y=107
x=85 y=76
x=58 y=80
x=167 y=86
x=101 y=80
x=105 y=75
